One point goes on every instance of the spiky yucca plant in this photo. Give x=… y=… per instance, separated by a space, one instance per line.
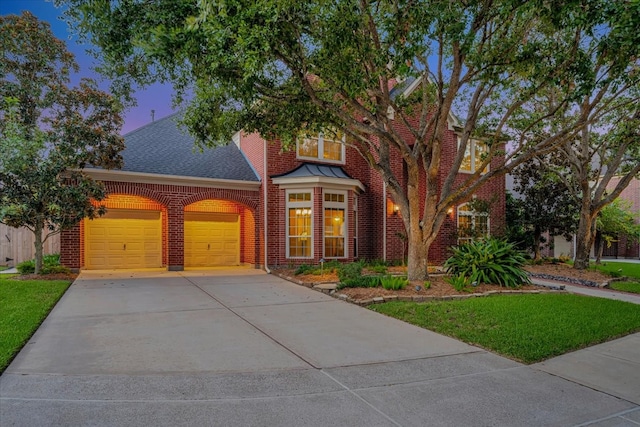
x=490 y=261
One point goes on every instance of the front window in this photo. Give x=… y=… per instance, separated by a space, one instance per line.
x=474 y=155
x=472 y=225
x=299 y=225
x=327 y=146
x=334 y=225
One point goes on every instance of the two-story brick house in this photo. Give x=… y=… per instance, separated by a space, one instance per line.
x=253 y=203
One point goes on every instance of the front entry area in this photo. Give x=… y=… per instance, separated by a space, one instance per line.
x=124 y=239
x=211 y=239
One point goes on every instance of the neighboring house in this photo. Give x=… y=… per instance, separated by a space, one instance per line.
x=624 y=247
x=252 y=203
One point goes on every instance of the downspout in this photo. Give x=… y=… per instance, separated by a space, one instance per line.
x=265 y=193
x=384 y=221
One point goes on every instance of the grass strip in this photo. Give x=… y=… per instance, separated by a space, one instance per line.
x=619 y=269
x=25 y=304
x=633 y=287
x=527 y=328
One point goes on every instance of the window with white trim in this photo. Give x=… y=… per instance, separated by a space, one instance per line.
x=474 y=155
x=472 y=225
x=335 y=224
x=299 y=224
x=355 y=226
x=327 y=146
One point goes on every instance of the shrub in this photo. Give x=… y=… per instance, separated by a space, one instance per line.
x=459 y=283
x=490 y=261
x=427 y=285
x=379 y=269
x=360 y=282
x=349 y=271
x=304 y=269
x=50 y=265
x=393 y=283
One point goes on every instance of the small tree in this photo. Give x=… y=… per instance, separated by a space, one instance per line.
x=49 y=133
x=547 y=205
x=614 y=220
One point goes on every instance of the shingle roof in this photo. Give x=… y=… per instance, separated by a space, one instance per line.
x=163 y=148
x=401 y=87
x=306 y=170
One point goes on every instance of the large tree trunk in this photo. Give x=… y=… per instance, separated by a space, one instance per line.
x=537 y=234
x=417 y=257
x=585 y=237
x=38 y=246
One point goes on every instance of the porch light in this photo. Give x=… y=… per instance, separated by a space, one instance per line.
x=396 y=209
x=450 y=211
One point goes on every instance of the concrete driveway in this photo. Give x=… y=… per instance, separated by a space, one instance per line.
x=240 y=347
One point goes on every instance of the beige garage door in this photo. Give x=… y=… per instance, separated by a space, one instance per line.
x=123 y=239
x=211 y=239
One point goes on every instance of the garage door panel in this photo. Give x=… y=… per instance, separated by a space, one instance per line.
x=124 y=239
x=211 y=239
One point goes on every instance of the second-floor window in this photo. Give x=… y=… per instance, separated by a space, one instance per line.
x=474 y=156
x=327 y=146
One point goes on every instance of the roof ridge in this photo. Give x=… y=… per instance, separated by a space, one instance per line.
x=154 y=122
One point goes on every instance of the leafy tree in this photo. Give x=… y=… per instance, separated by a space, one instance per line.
x=614 y=220
x=286 y=67
x=49 y=132
x=546 y=205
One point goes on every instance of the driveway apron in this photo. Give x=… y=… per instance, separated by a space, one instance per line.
x=241 y=347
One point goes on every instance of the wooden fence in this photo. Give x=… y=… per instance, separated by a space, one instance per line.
x=16 y=245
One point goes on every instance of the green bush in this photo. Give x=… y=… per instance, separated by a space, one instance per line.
x=393 y=283
x=360 y=282
x=427 y=285
x=459 y=283
x=379 y=269
x=304 y=269
x=352 y=270
x=490 y=261
x=50 y=265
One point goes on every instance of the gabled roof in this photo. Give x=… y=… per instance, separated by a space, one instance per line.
x=161 y=147
x=314 y=174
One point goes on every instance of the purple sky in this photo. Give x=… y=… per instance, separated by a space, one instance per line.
x=156 y=97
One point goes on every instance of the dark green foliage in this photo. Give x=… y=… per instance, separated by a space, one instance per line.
x=360 y=282
x=459 y=282
x=304 y=269
x=350 y=271
x=490 y=261
x=379 y=269
x=51 y=265
x=393 y=283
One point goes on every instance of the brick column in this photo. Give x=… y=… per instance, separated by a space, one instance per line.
x=175 y=238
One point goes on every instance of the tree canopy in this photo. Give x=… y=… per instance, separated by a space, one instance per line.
x=286 y=67
x=49 y=132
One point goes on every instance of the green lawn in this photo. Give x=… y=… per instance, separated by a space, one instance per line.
x=528 y=328
x=618 y=269
x=25 y=304
x=633 y=287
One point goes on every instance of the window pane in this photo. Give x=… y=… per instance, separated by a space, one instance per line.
x=308 y=147
x=481 y=151
x=466 y=162
x=300 y=241
x=332 y=150
x=299 y=197
x=334 y=233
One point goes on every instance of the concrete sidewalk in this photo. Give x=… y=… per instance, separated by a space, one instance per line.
x=240 y=347
x=589 y=291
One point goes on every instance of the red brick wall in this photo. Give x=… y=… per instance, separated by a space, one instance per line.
x=172 y=201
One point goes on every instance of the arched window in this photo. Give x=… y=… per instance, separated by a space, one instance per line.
x=472 y=225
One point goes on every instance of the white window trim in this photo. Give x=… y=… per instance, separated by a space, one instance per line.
x=471 y=144
x=473 y=216
x=336 y=205
x=355 y=225
x=320 y=157
x=303 y=205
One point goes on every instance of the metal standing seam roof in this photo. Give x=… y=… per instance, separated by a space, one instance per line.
x=161 y=147
x=307 y=170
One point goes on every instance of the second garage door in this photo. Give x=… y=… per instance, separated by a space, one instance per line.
x=124 y=239
x=211 y=239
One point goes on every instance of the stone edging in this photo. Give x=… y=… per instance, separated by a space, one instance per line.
x=572 y=280
x=330 y=289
